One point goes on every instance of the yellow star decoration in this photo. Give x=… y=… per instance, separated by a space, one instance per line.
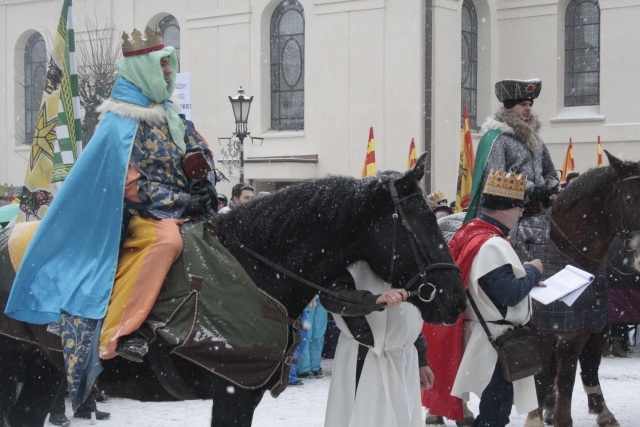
x=43 y=137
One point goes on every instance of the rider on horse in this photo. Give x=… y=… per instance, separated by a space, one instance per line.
x=135 y=155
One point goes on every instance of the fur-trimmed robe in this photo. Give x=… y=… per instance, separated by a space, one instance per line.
x=520 y=149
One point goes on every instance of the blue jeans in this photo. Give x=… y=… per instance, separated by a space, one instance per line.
x=312 y=353
x=496 y=401
x=293 y=371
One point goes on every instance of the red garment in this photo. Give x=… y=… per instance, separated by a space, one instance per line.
x=448 y=340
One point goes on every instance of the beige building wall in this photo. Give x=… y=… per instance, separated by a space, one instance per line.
x=364 y=67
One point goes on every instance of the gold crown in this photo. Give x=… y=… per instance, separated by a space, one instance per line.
x=6 y=190
x=438 y=196
x=511 y=186
x=136 y=45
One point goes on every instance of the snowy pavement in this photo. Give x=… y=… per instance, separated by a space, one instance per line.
x=305 y=405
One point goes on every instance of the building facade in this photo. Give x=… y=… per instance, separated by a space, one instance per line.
x=322 y=72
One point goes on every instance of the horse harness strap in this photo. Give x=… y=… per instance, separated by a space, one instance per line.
x=291 y=274
x=424 y=266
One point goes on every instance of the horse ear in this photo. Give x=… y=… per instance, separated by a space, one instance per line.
x=418 y=169
x=623 y=169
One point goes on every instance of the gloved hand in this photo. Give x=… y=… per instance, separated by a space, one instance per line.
x=199 y=203
x=542 y=194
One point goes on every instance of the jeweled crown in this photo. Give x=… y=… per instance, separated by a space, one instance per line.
x=508 y=185
x=438 y=196
x=137 y=45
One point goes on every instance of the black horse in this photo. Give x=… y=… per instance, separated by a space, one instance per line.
x=313 y=229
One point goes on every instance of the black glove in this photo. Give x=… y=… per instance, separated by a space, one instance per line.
x=542 y=194
x=199 y=203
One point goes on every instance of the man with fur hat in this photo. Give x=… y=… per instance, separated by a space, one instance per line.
x=511 y=142
x=126 y=194
x=499 y=285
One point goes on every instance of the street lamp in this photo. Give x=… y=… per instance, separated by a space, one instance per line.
x=241 y=103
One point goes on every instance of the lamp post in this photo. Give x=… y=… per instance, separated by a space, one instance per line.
x=241 y=103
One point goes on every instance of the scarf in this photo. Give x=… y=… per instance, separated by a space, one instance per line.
x=145 y=72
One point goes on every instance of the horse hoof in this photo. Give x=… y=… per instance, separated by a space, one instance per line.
x=434 y=421
x=465 y=422
x=608 y=420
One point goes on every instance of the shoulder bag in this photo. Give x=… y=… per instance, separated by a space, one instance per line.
x=518 y=349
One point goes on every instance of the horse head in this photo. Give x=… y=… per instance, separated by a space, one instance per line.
x=407 y=249
x=628 y=174
x=594 y=208
x=316 y=228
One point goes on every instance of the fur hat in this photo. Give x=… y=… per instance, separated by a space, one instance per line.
x=502 y=192
x=511 y=92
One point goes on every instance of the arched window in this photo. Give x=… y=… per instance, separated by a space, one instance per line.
x=287 y=66
x=35 y=75
x=469 y=61
x=582 y=53
x=170 y=30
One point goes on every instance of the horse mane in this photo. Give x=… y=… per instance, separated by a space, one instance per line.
x=587 y=184
x=336 y=205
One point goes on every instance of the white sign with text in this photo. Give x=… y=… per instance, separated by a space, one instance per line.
x=182 y=92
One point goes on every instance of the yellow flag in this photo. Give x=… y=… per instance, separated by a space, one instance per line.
x=370 y=159
x=57 y=137
x=465 y=168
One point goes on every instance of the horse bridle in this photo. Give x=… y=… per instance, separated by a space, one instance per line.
x=419 y=254
x=424 y=266
x=625 y=232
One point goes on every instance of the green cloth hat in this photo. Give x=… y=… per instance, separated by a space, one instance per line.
x=145 y=72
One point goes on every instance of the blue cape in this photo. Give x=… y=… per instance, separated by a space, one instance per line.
x=71 y=262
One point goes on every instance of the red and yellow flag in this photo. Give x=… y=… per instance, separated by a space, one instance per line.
x=599 y=158
x=465 y=169
x=569 y=163
x=413 y=157
x=370 y=160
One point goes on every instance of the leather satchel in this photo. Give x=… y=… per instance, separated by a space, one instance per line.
x=518 y=349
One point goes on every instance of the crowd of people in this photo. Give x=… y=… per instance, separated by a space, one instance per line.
x=380 y=358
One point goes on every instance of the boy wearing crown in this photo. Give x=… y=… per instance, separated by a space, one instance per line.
x=499 y=284
x=134 y=157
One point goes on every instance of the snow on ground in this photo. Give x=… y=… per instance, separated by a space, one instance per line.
x=305 y=405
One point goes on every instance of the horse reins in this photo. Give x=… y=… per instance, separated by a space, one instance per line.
x=309 y=283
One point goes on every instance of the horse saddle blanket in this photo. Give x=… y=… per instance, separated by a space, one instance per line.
x=209 y=310
x=214 y=315
x=589 y=311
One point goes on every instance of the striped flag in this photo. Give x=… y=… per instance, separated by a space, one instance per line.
x=465 y=168
x=599 y=158
x=369 y=167
x=569 y=163
x=57 y=139
x=413 y=157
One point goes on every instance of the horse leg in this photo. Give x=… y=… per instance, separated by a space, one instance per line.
x=590 y=359
x=233 y=406
x=40 y=384
x=568 y=349
x=544 y=383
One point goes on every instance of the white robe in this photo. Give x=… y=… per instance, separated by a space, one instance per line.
x=388 y=392
x=479 y=358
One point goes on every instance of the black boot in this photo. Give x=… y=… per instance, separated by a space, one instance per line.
x=89 y=405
